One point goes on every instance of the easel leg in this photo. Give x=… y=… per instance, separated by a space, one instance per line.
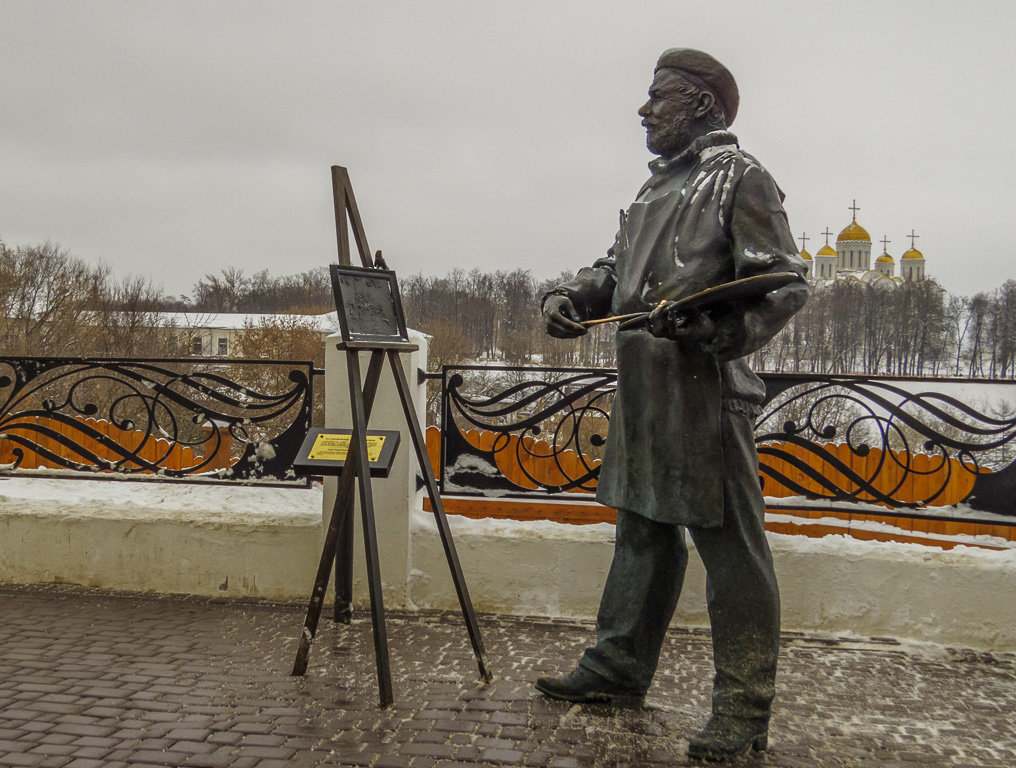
x=419 y=443
x=358 y=447
x=343 y=609
x=340 y=528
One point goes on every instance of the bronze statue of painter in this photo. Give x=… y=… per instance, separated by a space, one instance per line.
x=680 y=450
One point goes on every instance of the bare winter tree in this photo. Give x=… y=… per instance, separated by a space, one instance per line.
x=1003 y=330
x=232 y=291
x=46 y=296
x=128 y=322
x=978 y=310
x=279 y=338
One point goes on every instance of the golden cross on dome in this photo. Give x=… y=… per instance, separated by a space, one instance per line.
x=912 y=237
x=804 y=239
x=854 y=207
x=827 y=233
x=885 y=244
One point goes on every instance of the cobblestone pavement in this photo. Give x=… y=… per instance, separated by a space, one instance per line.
x=100 y=679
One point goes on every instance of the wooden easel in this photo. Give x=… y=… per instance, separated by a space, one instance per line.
x=338 y=545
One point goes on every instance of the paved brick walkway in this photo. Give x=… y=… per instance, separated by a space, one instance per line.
x=90 y=679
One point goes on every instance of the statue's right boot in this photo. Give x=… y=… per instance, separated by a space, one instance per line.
x=728 y=738
x=583 y=686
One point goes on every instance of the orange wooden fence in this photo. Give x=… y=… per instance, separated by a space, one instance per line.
x=912 y=478
x=153 y=450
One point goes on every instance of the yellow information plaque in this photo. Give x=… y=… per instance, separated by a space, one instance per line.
x=324 y=451
x=332 y=447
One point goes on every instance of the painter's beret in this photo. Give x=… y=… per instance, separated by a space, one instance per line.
x=707 y=73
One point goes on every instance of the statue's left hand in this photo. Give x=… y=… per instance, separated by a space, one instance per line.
x=562 y=319
x=682 y=325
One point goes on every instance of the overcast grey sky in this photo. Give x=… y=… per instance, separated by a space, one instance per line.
x=171 y=139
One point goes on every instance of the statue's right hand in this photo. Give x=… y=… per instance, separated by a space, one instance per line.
x=562 y=319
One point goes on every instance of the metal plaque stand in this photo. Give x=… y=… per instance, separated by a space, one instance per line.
x=338 y=546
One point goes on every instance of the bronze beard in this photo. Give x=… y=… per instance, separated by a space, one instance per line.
x=670 y=140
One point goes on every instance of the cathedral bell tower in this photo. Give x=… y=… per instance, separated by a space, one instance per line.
x=853 y=245
x=912 y=262
x=825 y=260
x=884 y=263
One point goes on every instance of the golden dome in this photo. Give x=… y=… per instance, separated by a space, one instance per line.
x=912 y=253
x=826 y=250
x=805 y=255
x=853 y=231
x=885 y=258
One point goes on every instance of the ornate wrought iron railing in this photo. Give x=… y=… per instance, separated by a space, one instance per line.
x=903 y=444
x=172 y=419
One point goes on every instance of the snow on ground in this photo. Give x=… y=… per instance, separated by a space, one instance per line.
x=196 y=502
x=844 y=545
x=423 y=522
x=840 y=544
x=888 y=528
x=975 y=392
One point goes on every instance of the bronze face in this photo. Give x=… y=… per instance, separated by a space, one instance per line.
x=669 y=116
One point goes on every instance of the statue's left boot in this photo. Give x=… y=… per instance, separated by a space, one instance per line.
x=727 y=738
x=583 y=686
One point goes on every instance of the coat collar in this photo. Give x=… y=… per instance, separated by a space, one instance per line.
x=663 y=165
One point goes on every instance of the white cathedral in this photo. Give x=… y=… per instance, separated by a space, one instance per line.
x=851 y=260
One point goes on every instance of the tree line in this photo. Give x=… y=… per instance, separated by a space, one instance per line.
x=232 y=290
x=847 y=326
x=53 y=303
x=915 y=329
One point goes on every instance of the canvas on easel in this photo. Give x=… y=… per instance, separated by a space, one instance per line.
x=369 y=306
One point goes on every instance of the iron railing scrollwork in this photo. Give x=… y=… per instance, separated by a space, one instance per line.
x=921 y=444
x=171 y=418
x=563 y=414
x=896 y=442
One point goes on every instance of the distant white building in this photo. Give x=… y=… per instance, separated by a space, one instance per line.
x=211 y=334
